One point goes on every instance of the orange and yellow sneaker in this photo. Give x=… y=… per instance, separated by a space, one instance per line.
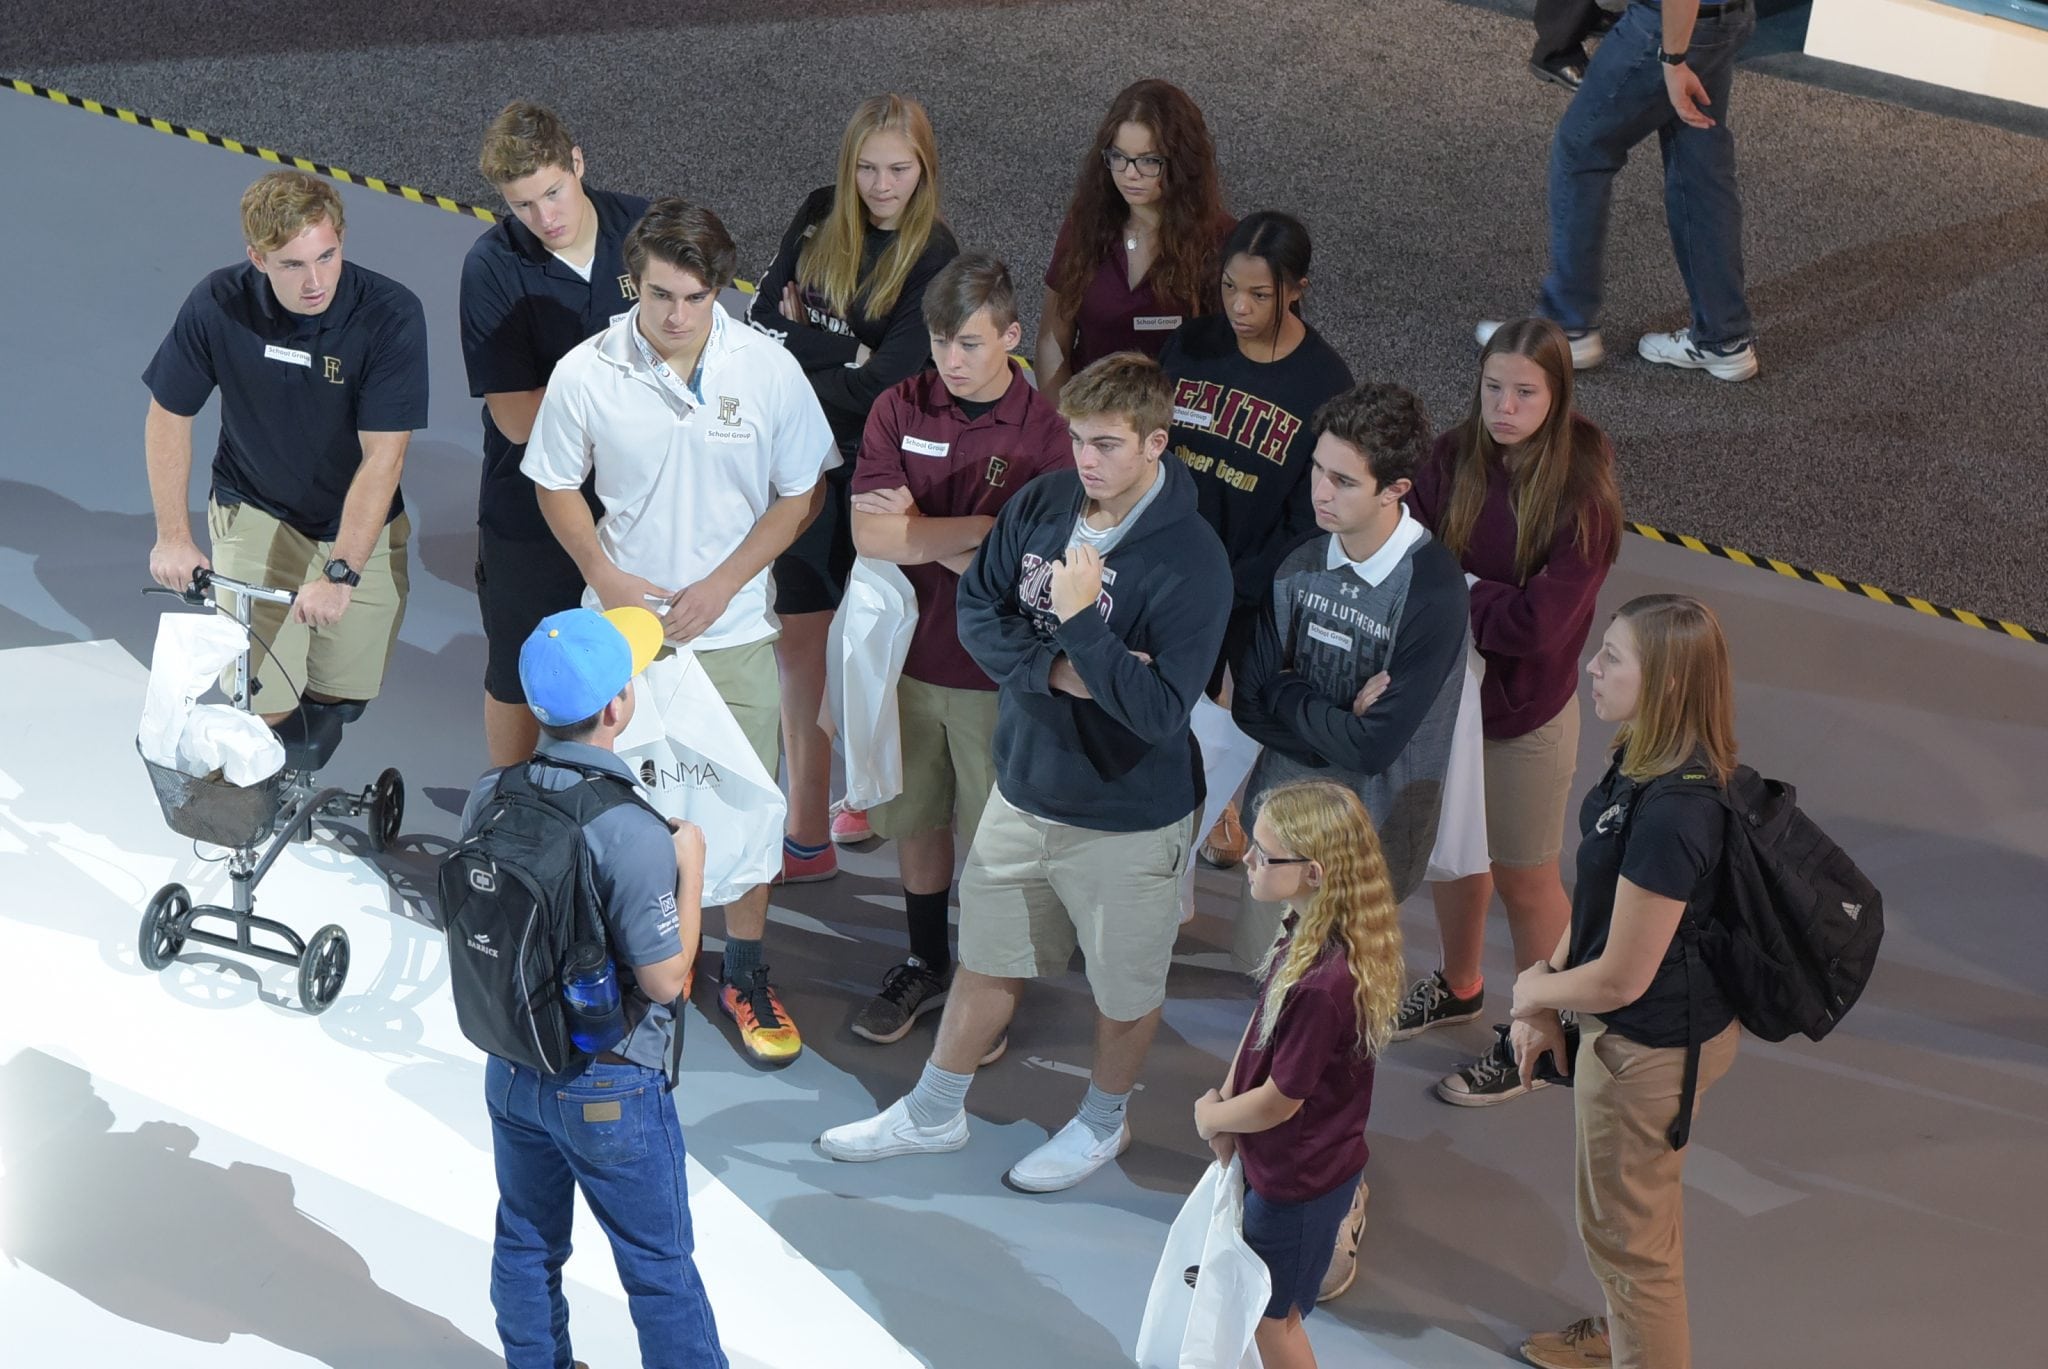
x=765 y=1029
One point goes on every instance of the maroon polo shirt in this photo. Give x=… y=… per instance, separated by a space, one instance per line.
x=1313 y=1056
x=1530 y=633
x=918 y=437
x=1116 y=318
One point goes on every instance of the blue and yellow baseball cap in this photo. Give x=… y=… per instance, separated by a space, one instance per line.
x=578 y=660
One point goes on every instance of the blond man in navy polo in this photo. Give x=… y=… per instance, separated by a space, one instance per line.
x=549 y=274
x=322 y=371
x=942 y=452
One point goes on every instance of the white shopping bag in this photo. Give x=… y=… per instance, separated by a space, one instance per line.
x=863 y=660
x=190 y=653
x=238 y=744
x=1210 y=1288
x=1227 y=757
x=694 y=762
x=1461 y=824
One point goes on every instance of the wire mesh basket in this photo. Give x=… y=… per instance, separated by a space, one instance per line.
x=211 y=810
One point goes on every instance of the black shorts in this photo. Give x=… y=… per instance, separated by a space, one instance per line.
x=811 y=576
x=517 y=584
x=1297 y=1241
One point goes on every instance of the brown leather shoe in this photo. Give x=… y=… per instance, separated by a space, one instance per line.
x=1582 y=1345
x=1227 y=842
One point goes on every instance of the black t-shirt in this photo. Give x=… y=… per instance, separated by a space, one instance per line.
x=523 y=310
x=1667 y=839
x=1242 y=428
x=295 y=389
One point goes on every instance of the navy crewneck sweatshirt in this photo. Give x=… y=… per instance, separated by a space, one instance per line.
x=1124 y=760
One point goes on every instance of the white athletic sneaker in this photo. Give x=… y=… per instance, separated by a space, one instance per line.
x=1069 y=1157
x=1588 y=350
x=1678 y=349
x=891 y=1133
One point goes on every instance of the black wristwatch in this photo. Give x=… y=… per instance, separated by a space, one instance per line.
x=1671 y=59
x=341 y=572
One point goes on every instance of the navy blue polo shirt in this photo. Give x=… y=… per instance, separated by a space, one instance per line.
x=523 y=310
x=295 y=390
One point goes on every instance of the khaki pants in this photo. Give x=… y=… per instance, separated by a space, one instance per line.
x=949 y=766
x=345 y=661
x=747 y=679
x=1629 y=1186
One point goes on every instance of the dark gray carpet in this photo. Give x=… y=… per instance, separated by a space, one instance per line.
x=1898 y=258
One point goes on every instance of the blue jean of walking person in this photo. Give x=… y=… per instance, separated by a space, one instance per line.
x=612 y=1131
x=1622 y=102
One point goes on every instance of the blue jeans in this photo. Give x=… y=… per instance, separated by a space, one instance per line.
x=612 y=1131
x=1622 y=102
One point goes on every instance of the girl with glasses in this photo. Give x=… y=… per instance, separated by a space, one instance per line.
x=1138 y=252
x=845 y=294
x=1295 y=1101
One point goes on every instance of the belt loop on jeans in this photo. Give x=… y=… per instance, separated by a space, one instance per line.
x=1727 y=7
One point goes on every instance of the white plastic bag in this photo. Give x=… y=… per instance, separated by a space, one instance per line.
x=221 y=737
x=1210 y=1288
x=1460 y=848
x=1227 y=757
x=863 y=660
x=190 y=652
x=694 y=762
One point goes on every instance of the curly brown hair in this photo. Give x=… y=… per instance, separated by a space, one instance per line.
x=1191 y=203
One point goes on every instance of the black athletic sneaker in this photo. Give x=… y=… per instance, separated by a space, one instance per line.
x=908 y=991
x=1429 y=1004
x=1492 y=1078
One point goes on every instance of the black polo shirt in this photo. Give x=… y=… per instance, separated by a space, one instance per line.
x=523 y=310
x=295 y=390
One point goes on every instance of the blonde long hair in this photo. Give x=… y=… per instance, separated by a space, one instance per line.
x=1353 y=910
x=1687 y=700
x=830 y=261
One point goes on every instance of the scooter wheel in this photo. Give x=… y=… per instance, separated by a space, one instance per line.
x=163 y=926
x=387 y=809
x=322 y=968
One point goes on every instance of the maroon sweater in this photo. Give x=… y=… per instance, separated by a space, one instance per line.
x=1530 y=635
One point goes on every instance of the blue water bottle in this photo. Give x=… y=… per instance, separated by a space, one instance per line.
x=590 y=987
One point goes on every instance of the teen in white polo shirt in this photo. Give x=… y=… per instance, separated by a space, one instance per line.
x=707 y=444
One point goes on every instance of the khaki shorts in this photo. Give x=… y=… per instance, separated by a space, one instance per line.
x=1528 y=789
x=1034 y=890
x=345 y=661
x=746 y=678
x=949 y=765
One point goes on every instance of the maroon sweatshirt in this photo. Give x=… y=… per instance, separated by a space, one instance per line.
x=1531 y=635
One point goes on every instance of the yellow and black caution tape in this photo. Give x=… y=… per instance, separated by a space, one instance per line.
x=1821 y=577
x=406 y=192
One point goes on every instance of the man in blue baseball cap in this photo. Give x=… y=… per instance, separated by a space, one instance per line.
x=551 y=1134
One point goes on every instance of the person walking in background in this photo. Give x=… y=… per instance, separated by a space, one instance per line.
x=1651 y=838
x=845 y=295
x=1523 y=493
x=1667 y=68
x=1296 y=1098
x=1139 y=250
x=1562 y=28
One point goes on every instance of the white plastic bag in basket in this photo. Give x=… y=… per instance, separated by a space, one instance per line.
x=191 y=651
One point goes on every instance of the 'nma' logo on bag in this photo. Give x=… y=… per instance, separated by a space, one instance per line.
x=1191 y=1273
x=681 y=775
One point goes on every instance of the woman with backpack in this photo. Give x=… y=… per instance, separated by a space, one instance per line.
x=1655 y=1030
x=845 y=293
x=1295 y=1101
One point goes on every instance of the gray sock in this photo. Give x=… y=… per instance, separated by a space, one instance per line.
x=939 y=1096
x=1103 y=1113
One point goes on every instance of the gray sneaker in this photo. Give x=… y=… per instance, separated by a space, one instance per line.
x=908 y=991
x=1343 y=1268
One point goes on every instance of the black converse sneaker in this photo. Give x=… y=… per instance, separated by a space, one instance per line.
x=1429 y=1003
x=1492 y=1078
x=908 y=992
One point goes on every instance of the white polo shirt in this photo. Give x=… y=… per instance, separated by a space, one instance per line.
x=684 y=472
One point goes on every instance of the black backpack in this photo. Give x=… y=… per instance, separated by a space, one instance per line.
x=516 y=896
x=1792 y=934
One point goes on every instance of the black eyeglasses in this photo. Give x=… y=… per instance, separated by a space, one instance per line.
x=1257 y=855
x=1149 y=166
